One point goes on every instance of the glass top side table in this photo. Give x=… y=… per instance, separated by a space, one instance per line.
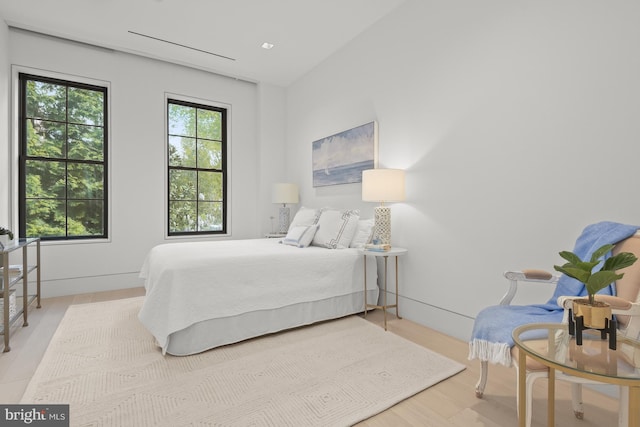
x=593 y=360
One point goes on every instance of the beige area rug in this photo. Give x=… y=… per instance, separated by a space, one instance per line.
x=105 y=364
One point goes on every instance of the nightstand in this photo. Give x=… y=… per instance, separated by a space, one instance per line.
x=393 y=252
x=275 y=235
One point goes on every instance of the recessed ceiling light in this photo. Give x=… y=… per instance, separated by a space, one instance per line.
x=266 y=45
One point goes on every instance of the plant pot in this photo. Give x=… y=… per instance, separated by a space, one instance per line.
x=4 y=240
x=594 y=315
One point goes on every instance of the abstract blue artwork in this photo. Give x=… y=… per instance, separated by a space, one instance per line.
x=341 y=158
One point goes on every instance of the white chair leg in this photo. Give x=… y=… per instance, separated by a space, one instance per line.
x=576 y=400
x=623 y=411
x=482 y=382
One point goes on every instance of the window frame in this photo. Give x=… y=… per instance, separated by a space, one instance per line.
x=22 y=75
x=225 y=111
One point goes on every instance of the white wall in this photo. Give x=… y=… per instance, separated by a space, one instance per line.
x=271 y=153
x=510 y=118
x=5 y=85
x=137 y=156
x=517 y=123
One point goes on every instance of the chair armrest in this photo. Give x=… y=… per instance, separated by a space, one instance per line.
x=532 y=275
x=565 y=301
x=634 y=310
x=529 y=275
x=618 y=305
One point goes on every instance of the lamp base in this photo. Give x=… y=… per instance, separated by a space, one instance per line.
x=283 y=220
x=382 y=227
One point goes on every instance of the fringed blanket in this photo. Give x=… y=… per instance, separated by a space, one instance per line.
x=491 y=339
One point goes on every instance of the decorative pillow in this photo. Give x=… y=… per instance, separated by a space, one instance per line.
x=305 y=216
x=300 y=236
x=336 y=228
x=363 y=234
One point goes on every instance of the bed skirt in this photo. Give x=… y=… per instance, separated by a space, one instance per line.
x=212 y=333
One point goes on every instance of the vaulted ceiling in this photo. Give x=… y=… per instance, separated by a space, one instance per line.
x=223 y=36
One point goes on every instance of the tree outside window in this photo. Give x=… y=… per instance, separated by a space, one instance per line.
x=197 y=168
x=63 y=161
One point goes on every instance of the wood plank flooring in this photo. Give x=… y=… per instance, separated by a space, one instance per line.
x=451 y=403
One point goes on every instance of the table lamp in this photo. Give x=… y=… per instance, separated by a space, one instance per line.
x=284 y=193
x=382 y=185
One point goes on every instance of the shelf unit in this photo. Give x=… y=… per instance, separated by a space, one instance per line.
x=11 y=276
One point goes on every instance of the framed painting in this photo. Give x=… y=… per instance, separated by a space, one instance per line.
x=341 y=158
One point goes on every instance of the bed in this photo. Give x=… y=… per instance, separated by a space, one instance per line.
x=201 y=295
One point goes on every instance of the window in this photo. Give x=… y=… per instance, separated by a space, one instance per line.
x=197 y=168
x=63 y=159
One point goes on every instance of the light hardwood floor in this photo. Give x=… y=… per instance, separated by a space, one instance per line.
x=449 y=403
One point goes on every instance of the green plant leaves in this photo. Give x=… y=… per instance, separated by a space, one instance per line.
x=583 y=271
x=620 y=261
x=601 y=280
x=575 y=272
x=600 y=252
x=571 y=257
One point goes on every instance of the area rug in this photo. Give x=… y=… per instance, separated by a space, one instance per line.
x=106 y=366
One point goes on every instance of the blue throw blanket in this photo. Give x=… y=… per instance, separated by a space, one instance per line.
x=491 y=339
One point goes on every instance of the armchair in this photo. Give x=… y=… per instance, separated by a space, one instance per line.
x=491 y=338
x=626 y=307
x=514 y=277
x=535 y=370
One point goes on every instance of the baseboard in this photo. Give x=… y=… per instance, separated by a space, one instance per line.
x=442 y=320
x=460 y=327
x=83 y=285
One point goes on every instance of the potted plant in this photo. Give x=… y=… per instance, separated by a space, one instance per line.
x=6 y=236
x=594 y=312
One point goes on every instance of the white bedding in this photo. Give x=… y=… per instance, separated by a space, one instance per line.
x=188 y=284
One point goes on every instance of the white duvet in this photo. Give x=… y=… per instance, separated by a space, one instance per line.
x=192 y=282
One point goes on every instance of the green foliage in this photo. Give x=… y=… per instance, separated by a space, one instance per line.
x=64 y=170
x=195 y=169
x=65 y=149
x=583 y=270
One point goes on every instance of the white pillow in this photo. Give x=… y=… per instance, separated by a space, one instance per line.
x=305 y=216
x=363 y=234
x=300 y=236
x=336 y=228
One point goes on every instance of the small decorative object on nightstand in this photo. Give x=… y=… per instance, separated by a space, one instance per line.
x=275 y=235
x=394 y=252
x=6 y=237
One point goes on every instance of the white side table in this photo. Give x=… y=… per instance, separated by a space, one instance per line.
x=394 y=252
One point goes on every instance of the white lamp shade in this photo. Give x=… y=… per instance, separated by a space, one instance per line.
x=383 y=185
x=284 y=193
